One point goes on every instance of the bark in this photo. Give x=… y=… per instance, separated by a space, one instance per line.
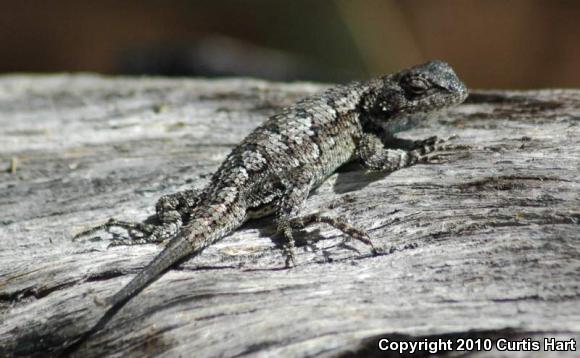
x=481 y=243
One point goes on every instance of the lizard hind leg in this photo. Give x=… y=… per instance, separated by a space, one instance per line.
x=297 y=186
x=171 y=212
x=138 y=232
x=287 y=220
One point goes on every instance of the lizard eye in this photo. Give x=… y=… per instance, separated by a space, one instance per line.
x=416 y=85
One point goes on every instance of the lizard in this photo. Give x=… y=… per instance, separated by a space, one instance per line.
x=276 y=166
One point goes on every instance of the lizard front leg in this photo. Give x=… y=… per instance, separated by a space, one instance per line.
x=375 y=156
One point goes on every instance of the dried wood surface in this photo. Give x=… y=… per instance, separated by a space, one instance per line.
x=482 y=243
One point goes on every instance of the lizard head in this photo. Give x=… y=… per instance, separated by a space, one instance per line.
x=423 y=88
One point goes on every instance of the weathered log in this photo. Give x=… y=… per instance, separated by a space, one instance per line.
x=481 y=243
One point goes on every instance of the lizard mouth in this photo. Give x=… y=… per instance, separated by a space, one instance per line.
x=435 y=101
x=413 y=114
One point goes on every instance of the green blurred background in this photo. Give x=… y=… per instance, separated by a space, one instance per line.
x=491 y=43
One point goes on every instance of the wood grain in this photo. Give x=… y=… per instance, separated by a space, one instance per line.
x=483 y=242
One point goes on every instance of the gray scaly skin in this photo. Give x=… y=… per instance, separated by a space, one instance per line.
x=280 y=162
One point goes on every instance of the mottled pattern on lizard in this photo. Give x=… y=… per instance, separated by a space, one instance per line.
x=275 y=167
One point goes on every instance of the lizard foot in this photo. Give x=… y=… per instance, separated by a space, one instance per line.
x=299 y=223
x=433 y=149
x=434 y=143
x=288 y=248
x=351 y=231
x=138 y=233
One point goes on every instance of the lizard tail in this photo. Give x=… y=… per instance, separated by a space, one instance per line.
x=177 y=250
x=192 y=239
